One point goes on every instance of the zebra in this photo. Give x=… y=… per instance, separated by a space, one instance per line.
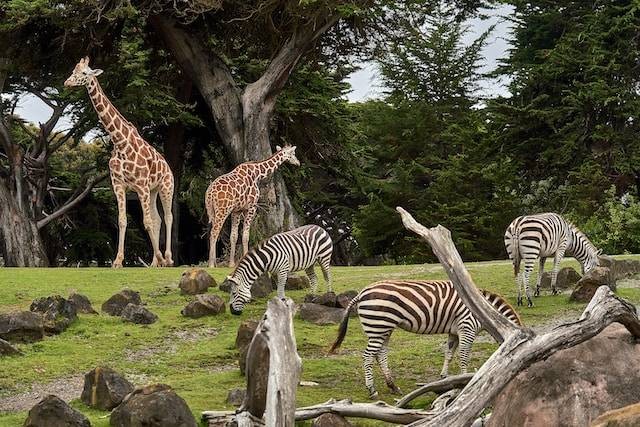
x=419 y=306
x=540 y=236
x=282 y=253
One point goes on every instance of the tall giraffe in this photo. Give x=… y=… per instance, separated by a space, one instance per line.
x=134 y=165
x=237 y=193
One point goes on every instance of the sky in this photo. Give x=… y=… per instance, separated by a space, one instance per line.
x=365 y=83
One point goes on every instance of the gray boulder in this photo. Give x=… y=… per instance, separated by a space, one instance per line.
x=54 y=412
x=138 y=314
x=330 y=420
x=262 y=287
x=343 y=299
x=82 y=303
x=21 y=326
x=156 y=405
x=196 y=281
x=573 y=386
x=114 y=305
x=295 y=283
x=104 y=388
x=57 y=313
x=328 y=299
x=204 y=305
x=587 y=285
x=567 y=278
x=7 y=349
x=243 y=338
x=236 y=396
x=320 y=314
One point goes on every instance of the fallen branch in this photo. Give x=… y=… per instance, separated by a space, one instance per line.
x=520 y=347
x=375 y=411
x=440 y=386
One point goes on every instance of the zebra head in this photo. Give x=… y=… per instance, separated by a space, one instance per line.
x=289 y=154
x=592 y=261
x=240 y=294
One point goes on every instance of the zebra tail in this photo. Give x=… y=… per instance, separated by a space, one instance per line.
x=342 y=331
x=515 y=247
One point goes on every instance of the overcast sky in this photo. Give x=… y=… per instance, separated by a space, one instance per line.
x=365 y=82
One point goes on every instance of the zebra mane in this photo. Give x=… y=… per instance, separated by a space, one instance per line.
x=496 y=298
x=592 y=248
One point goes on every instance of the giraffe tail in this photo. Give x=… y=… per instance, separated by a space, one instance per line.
x=342 y=331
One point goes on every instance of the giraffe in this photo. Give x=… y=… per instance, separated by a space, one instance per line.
x=237 y=193
x=134 y=165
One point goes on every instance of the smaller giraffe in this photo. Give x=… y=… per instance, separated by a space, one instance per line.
x=134 y=165
x=237 y=193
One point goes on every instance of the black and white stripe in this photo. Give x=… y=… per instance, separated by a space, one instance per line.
x=540 y=236
x=282 y=253
x=419 y=306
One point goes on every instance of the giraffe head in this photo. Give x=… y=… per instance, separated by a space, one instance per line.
x=82 y=73
x=289 y=154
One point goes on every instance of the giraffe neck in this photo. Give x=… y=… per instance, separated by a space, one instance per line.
x=109 y=116
x=267 y=167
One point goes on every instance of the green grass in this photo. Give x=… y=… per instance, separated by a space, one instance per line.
x=203 y=367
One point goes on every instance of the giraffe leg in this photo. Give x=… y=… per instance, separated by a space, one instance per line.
x=326 y=272
x=121 y=197
x=157 y=224
x=246 y=228
x=233 y=238
x=145 y=202
x=217 y=221
x=166 y=198
x=452 y=345
x=383 y=362
x=540 y=272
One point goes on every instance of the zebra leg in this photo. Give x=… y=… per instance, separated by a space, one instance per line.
x=313 y=278
x=556 y=267
x=539 y=281
x=326 y=272
x=519 y=281
x=282 y=280
x=466 y=337
x=526 y=274
x=452 y=344
x=383 y=362
x=370 y=354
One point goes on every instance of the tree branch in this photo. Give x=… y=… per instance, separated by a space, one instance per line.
x=442 y=385
x=439 y=238
x=73 y=200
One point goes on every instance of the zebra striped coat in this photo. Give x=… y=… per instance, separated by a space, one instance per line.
x=540 y=236
x=282 y=253
x=419 y=306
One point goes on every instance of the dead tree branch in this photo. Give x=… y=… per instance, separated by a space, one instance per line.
x=440 y=386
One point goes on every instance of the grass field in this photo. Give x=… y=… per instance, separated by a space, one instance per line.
x=197 y=357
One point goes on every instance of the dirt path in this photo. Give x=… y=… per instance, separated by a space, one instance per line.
x=65 y=388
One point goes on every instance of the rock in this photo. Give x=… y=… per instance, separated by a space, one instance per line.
x=236 y=396
x=243 y=339
x=57 y=313
x=330 y=420
x=196 y=281
x=204 y=305
x=586 y=287
x=82 y=303
x=138 y=314
x=328 y=299
x=573 y=386
x=320 y=314
x=620 y=269
x=628 y=416
x=7 y=349
x=104 y=388
x=262 y=287
x=21 y=326
x=114 y=305
x=54 y=412
x=155 y=405
x=225 y=286
x=295 y=283
x=343 y=299
x=567 y=278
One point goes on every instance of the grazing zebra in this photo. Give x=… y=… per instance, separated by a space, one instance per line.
x=282 y=253
x=419 y=306
x=540 y=236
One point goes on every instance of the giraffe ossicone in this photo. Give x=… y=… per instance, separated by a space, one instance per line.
x=134 y=165
x=236 y=193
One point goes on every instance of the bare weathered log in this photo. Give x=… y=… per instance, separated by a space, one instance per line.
x=440 y=386
x=375 y=411
x=520 y=347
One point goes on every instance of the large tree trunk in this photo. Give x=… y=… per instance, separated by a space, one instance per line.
x=21 y=242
